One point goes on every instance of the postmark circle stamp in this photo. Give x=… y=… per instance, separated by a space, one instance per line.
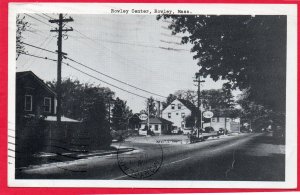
x=142 y=162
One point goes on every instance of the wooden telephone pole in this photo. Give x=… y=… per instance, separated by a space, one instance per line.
x=199 y=81
x=61 y=21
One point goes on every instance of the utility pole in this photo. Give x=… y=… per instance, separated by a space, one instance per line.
x=148 y=122
x=60 y=22
x=199 y=81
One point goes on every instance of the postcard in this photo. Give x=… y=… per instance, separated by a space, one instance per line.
x=153 y=95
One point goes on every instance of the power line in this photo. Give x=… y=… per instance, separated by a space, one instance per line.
x=38 y=47
x=104 y=81
x=42 y=16
x=46 y=58
x=127 y=43
x=111 y=51
x=38 y=20
x=95 y=70
x=45 y=42
x=47 y=16
x=132 y=44
x=114 y=78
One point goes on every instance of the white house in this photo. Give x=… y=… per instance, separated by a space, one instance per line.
x=231 y=124
x=157 y=125
x=177 y=112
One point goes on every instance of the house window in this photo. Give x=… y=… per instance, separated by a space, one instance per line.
x=169 y=115
x=179 y=106
x=173 y=106
x=28 y=102
x=176 y=113
x=213 y=120
x=182 y=114
x=156 y=127
x=47 y=104
x=227 y=120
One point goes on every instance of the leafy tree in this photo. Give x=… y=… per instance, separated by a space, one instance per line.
x=259 y=115
x=95 y=120
x=190 y=121
x=214 y=98
x=169 y=100
x=120 y=115
x=217 y=99
x=22 y=26
x=247 y=51
x=151 y=107
x=88 y=103
x=189 y=95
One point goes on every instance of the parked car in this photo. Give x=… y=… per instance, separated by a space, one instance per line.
x=222 y=131
x=175 y=131
x=208 y=129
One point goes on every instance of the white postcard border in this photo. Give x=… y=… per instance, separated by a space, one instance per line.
x=221 y=9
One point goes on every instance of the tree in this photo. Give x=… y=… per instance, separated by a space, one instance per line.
x=169 y=100
x=214 y=98
x=247 y=51
x=95 y=120
x=258 y=115
x=120 y=114
x=150 y=107
x=190 y=121
x=88 y=103
x=217 y=99
x=188 y=94
x=22 y=26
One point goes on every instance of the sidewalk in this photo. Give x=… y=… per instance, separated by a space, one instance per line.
x=161 y=139
x=44 y=158
x=167 y=139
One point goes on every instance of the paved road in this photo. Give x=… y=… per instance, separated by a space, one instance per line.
x=243 y=157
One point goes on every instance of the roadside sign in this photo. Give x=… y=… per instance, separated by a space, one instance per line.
x=208 y=114
x=143 y=117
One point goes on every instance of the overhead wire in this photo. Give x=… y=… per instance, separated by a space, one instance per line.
x=138 y=88
x=39 y=20
x=46 y=58
x=38 y=47
x=32 y=55
x=104 y=81
x=114 y=78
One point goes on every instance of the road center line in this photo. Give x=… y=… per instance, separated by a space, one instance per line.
x=177 y=161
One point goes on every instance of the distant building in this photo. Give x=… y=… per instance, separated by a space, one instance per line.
x=178 y=111
x=157 y=125
x=36 y=121
x=134 y=121
x=33 y=96
x=231 y=124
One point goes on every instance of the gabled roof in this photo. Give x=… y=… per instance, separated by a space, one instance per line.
x=186 y=103
x=40 y=81
x=156 y=120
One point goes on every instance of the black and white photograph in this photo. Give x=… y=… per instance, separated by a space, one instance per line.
x=158 y=95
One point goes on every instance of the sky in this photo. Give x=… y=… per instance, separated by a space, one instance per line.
x=130 y=48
